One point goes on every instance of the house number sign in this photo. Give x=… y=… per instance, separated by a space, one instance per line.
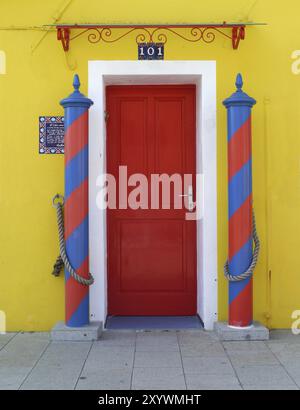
x=151 y=51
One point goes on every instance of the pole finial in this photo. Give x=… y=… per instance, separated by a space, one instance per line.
x=76 y=82
x=76 y=98
x=239 y=97
x=239 y=82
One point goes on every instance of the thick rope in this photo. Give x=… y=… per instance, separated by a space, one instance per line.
x=250 y=270
x=58 y=203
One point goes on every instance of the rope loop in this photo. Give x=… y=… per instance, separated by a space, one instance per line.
x=250 y=270
x=58 y=203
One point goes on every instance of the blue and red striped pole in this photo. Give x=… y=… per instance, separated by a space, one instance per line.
x=76 y=204
x=239 y=107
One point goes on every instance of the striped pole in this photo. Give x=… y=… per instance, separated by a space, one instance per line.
x=239 y=107
x=76 y=204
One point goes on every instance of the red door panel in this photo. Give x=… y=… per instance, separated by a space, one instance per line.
x=151 y=252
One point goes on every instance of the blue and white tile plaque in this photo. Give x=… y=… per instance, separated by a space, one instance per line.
x=51 y=135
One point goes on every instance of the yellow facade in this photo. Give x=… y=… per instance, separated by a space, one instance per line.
x=38 y=74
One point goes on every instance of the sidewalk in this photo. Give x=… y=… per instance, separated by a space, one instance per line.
x=149 y=360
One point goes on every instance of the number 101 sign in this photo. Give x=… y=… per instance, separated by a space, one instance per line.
x=151 y=51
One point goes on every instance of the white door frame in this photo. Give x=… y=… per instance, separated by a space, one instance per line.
x=203 y=74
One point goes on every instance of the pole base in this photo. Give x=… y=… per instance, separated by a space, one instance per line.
x=227 y=333
x=88 y=333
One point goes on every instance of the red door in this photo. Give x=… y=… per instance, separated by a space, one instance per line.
x=151 y=252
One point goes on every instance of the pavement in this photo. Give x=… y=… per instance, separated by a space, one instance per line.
x=146 y=360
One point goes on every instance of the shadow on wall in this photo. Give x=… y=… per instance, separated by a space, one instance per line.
x=2 y=322
x=2 y=62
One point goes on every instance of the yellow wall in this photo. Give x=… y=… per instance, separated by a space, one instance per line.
x=39 y=74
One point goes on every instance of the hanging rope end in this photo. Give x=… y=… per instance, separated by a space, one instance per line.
x=63 y=260
x=249 y=272
x=58 y=266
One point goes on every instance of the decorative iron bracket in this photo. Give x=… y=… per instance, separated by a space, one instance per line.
x=154 y=33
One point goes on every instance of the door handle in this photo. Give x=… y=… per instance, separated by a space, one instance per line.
x=189 y=195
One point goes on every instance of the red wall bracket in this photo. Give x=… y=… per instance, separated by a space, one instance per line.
x=63 y=34
x=238 y=34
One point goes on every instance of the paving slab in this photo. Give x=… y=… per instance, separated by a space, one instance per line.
x=19 y=356
x=157 y=341
x=288 y=356
x=5 y=338
x=273 y=375
x=59 y=367
x=193 y=338
x=157 y=359
x=209 y=349
x=105 y=357
x=293 y=369
x=207 y=365
x=104 y=379
x=158 y=378
x=212 y=382
x=118 y=338
x=285 y=351
x=268 y=387
x=245 y=346
x=252 y=358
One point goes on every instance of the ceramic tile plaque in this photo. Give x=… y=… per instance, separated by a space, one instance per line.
x=51 y=135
